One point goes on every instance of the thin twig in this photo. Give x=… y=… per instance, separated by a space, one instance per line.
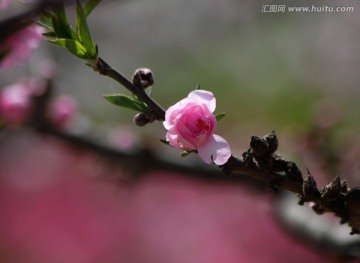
x=262 y=163
x=105 y=69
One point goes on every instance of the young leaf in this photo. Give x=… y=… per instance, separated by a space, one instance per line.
x=45 y=20
x=46 y=15
x=89 y=6
x=50 y=34
x=219 y=116
x=60 y=23
x=127 y=102
x=185 y=153
x=45 y=23
x=73 y=46
x=62 y=29
x=83 y=32
x=165 y=141
x=59 y=12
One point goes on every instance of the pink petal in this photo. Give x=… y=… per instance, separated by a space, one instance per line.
x=204 y=97
x=216 y=150
x=21 y=45
x=174 y=112
x=4 y=3
x=177 y=141
x=169 y=120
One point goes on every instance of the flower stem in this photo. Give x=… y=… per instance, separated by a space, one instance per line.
x=104 y=68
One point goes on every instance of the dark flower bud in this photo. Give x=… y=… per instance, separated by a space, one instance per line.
x=310 y=189
x=143 y=77
x=344 y=187
x=332 y=190
x=272 y=141
x=258 y=145
x=293 y=172
x=141 y=120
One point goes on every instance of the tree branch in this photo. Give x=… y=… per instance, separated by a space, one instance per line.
x=262 y=163
x=259 y=162
x=136 y=88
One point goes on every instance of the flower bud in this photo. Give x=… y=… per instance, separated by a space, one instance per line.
x=258 y=145
x=141 y=120
x=272 y=141
x=143 y=77
x=310 y=189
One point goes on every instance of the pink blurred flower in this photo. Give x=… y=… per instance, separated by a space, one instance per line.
x=15 y=104
x=48 y=69
x=20 y=45
x=191 y=124
x=4 y=3
x=62 y=111
x=123 y=137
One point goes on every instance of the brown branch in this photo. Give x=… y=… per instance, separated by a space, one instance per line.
x=136 y=88
x=261 y=162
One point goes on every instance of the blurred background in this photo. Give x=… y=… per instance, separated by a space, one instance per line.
x=295 y=73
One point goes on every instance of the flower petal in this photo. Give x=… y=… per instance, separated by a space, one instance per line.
x=174 y=112
x=177 y=141
x=216 y=150
x=204 y=97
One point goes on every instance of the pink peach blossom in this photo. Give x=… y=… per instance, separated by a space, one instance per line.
x=62 y=110
x=191 y=125
x=15 y=104
x=21 y=45
x=4 y=3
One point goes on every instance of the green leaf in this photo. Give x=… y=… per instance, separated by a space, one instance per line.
x=73 y=46
x=219 y=116
x=185 y=153
x=89 y=6
x=45 y=25
x=45 y=15
x=61 y=24
x=63 y=29
x=59 y=12
x=127 y=102
x=83 y=32
x=165 y=142
x=197 y=87
x=45 y=20
x=50 y=34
